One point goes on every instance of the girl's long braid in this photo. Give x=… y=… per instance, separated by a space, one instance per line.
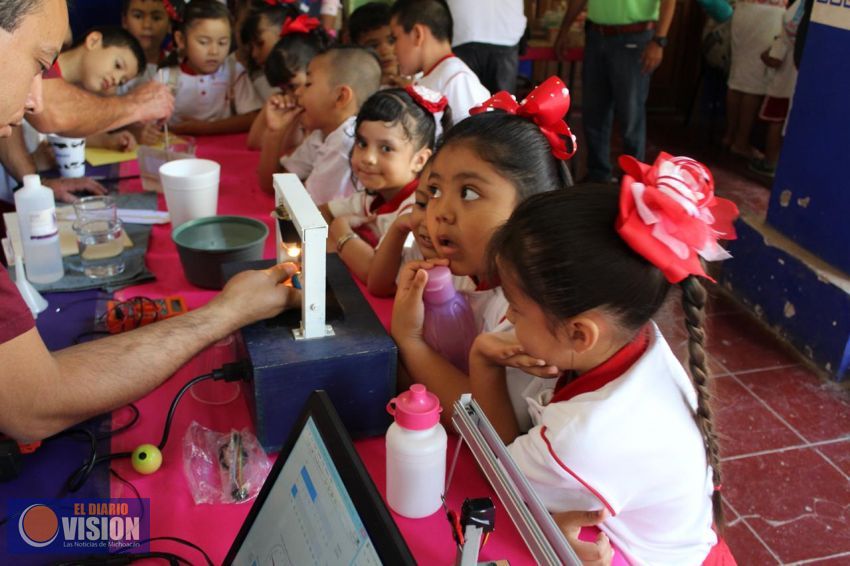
x=693 y=304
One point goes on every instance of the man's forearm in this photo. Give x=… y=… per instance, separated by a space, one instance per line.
x=73 y=112
x=574 y=9
x=14 y=155
x=665 y=17
x=116 y=370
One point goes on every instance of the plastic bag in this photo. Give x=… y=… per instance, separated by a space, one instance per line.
x=223 y=467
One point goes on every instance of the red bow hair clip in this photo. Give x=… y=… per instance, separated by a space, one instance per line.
x=301 y=24
x=546 y=106
x=670 y=216
x=279 y=2
x=171 y=10
x=430 y=100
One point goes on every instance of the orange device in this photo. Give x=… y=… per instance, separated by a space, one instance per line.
x=139 y=311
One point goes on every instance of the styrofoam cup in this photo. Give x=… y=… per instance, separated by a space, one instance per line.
x=191 y=189
x=70 y=155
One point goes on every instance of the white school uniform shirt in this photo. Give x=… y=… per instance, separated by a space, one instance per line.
x=225 y=93
x=458 y=83
x=632 y=446
x=490 y=308
x=322 y=163
x=364 y=203
x=497 y=22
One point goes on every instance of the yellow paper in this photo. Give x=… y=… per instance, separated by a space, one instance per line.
x=97 y=156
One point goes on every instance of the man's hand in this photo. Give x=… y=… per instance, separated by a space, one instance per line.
x=652 y=56
x=597 y=553
x=64 y=189
x=258 y=294
x=152 y=101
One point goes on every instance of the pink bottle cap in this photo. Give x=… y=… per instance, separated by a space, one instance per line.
x=416 y=409
x=439 y=287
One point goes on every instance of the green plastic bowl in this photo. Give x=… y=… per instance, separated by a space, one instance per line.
x=205 y=244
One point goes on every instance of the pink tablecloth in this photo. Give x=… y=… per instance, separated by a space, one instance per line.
x=213 y=527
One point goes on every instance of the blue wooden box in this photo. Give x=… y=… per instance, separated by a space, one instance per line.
x=356 y=366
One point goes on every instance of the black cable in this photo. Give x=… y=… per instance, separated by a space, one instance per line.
x=121 y=559
x=133 y=487
x=123 y=427
x=177 y=540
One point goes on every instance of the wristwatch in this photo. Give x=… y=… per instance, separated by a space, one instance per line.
x=661 y=41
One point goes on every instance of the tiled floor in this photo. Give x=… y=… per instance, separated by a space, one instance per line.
x=784 y=431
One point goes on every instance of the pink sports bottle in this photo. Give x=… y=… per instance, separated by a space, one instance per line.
x=449 y=325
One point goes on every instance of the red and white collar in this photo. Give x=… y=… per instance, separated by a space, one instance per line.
x=437 y=64
x=606 y=372
x=380 y=206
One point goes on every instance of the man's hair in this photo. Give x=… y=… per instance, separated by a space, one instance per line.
x=13 y=11
x=433 y=14
x=366 y=18
x=355 y=67
x=114 y=36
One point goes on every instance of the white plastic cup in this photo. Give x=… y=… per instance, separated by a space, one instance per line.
x=191 y=189
x=70 y=155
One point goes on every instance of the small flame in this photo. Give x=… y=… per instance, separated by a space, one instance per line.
x=292 y=250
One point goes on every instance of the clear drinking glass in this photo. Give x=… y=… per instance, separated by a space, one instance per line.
x=99 y=236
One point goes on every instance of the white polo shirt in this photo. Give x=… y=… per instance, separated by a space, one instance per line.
x=497 y=22
x=490 y=308
x=633 y=447
x=458 y=83
x=322 y=163
x=364 y=203
x=225 y=93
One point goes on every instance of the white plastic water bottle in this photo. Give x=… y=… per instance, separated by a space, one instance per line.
x=416 y=454
x=36 y=211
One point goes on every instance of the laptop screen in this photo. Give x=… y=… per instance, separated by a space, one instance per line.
x=323 y=526
x=318 y=505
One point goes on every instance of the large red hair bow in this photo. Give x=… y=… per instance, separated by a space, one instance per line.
x=301 y=24
x=670 y=216
x=546 y=106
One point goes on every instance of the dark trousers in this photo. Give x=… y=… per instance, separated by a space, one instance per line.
x=613 y=86
x=495 y=65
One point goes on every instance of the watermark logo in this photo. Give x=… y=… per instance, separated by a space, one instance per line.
x=38 y=525
x=87 y=526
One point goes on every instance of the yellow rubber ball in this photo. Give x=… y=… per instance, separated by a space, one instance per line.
x=146 y=459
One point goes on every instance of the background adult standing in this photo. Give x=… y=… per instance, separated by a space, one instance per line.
x=486 y=36
x=624 y=44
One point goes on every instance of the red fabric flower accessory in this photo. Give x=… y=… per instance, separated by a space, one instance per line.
x=301 y=24
x=546 y=106
x=430 y=100
x=171 y=10
x=670 y=216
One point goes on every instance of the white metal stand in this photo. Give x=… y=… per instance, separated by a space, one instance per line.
x=542 y=536
x=313 y=232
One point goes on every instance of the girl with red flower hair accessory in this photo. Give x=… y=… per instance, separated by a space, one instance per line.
x=626 y=431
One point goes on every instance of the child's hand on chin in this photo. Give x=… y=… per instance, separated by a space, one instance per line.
x=280 y=112
x=408 y=308
x=503 y=349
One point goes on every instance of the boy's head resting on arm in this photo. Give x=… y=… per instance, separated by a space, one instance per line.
x=286 y=65
x=369 y=27
x=148 y=21
x=419 y=26
x=338 y=82
x=105 y=58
